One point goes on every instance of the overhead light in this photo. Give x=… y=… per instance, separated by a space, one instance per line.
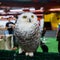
x=26 y=9
x=17 y=10
x=54 y=9
x=1 y=11
x=42 y=9
x=32 y=9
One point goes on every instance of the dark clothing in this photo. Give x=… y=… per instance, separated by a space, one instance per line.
x=59 y=46
x=58 y=35
x=10 y=29
x=58 y=39
x=43 y=46
x=43 y=33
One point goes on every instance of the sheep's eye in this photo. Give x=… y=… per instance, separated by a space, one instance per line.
x=24 y=17
x=32 y=16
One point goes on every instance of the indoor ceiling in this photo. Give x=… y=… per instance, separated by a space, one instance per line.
x=47 y=4
x=29 y=3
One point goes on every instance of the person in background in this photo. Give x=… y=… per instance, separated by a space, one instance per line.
x=42 y=32
x=10 y=28
x=41 y=24
x=58 y=37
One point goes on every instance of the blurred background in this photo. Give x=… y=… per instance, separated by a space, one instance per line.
x=49 y=10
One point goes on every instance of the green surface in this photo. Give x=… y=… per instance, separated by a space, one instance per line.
x=50 y=42
x=39 y=55
x=52 y=45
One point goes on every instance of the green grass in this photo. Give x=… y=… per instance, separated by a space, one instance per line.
x=52 y=45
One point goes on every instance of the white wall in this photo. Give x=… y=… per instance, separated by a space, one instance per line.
x=3 y=23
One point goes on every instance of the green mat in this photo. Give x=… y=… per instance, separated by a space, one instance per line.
x=12 y=55
x=52 y=45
